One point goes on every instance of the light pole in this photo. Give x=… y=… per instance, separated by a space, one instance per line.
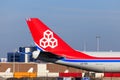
x=98 y=42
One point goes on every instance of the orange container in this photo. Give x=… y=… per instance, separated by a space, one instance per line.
x=24 y=74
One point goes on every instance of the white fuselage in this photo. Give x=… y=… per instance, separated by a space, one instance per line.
x=95 y=65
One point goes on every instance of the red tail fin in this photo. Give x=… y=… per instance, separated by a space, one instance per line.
x=45 y=38
x=48 y=41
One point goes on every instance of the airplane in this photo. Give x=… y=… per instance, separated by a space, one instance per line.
x=51 y=48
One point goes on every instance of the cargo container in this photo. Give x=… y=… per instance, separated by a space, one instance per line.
x=111 y=74
x=24 y=74
x=70 y=74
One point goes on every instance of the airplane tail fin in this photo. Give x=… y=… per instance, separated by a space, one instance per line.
x=45 y=38
x=8 y=70
x=30 y=70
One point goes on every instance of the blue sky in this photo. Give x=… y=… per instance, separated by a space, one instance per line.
x=76 y=21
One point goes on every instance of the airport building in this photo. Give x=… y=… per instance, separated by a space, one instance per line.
x=23 y=55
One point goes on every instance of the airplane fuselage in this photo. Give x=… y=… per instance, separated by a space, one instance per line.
x=97 y=66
